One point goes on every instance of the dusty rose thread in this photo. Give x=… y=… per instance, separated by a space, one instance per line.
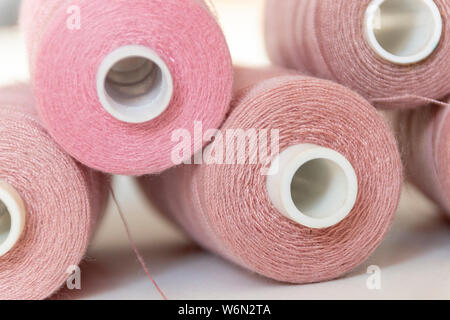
x=63 y=200
x=325 y=38
x=424 y=137
x=225 y=208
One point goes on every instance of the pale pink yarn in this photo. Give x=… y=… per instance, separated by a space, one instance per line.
x=325 y=38
x=424 y=137
x=226 y=209
x=63 y=202
x=64 y=65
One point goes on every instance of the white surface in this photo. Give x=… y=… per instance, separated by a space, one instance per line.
x=403 y=31
x=414 y=259
x=134 y=84
x=12 y=219
x=313 y=186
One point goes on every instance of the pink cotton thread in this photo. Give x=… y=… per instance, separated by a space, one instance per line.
x=326 y=38
x=135 y=249
x=226 y=208
x=63 y=202
x=184 y=38
x=424 y=137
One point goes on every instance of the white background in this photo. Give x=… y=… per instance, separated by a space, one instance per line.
x=414 y=259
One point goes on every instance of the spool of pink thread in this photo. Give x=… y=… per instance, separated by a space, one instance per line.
x=113 y=79
x=393 y=52
x=49 y=204
x=328 y=203
x=424 y=137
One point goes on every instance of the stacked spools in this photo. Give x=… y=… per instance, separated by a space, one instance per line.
x=49 y=204
x=327 y=205
x=301 y=182
x=393 y=52
x=113 y=79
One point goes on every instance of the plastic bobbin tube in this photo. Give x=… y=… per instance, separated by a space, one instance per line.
x=403 y=31
x=314 y=186
x=134 y=84
x=12 y=217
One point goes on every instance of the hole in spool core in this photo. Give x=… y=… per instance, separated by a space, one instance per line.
x=132 y=81
x=403 y=31
x=12 y=217
x=5 y=223
x=134 y=85
x=319 y=188
x=314 y=186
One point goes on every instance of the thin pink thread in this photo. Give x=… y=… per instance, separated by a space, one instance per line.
x=133 y=245
x=406 y=99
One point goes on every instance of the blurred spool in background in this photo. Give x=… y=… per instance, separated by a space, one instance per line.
x=393 y=52
x=424 y=137
x=279 y=226
x=403 y=31
x=49 y=204
x=9 y=10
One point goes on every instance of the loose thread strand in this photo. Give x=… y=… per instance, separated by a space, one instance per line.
x=133 y=245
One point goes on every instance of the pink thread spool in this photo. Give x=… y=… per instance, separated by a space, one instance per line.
x=328 y=207
x=49 y=204
x=112 y=86
x=393 y=52
x=424 y=136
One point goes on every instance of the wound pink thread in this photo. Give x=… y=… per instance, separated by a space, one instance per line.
x=326 y=38
x=226 y=208
x=63 y=201
x=424 y=137
x=65 y=63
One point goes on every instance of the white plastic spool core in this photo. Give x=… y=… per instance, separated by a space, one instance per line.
x=12 y=217
x=403 y=31
x=134 y=84
x=314 y=186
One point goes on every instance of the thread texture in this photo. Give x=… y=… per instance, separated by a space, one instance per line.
x=64 y=64
x=63 y=199
x=326 y=39
x=226 y=209
x=424 y=137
